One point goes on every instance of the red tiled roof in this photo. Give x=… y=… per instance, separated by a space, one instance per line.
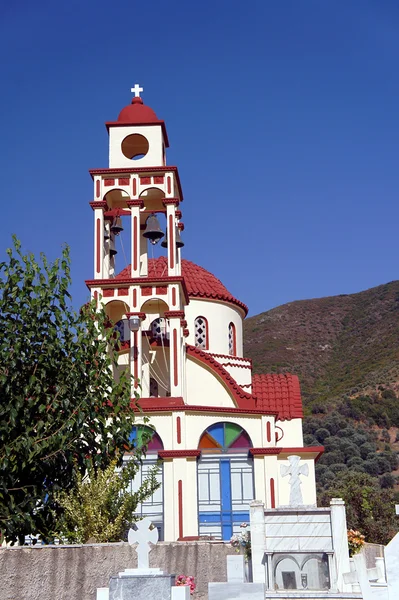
x=200 y=283
x=278 y=393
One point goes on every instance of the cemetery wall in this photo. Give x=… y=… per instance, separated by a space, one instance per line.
x=74 y=572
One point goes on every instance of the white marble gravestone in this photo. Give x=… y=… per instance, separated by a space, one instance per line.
x=143 y=582
x=235 y=568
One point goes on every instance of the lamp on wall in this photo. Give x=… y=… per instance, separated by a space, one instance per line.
x=134 y=323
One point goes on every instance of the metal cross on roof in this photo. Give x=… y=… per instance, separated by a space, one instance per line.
x=136 y=90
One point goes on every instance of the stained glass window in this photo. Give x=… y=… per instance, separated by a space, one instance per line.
x=224 y=437
x=143 y=435
x=201 y=333
x=232 y=339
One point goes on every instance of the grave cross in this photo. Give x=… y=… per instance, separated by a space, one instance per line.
x=295 y=471
x=142 y=536
x=136 y=90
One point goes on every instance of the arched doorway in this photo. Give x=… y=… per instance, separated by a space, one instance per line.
x=153 y=506
x=225 y=480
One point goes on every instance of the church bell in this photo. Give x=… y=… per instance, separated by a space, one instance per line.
x=153 y=231
x=116 y=226
x=112 y=249
x=179 y=241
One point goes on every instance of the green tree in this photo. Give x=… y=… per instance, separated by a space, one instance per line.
x=369 y=509
x=101 y=507
x=61 y=410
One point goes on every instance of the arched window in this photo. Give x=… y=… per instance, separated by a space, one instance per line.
x=151 y=507
x=232 y=339
x=225 y=480
x=158 y=328
x=201 y=333
x=142 y=435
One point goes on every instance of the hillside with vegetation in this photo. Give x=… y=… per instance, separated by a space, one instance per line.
x=345 y=350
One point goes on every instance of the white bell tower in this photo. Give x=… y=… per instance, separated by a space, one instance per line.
x=140 y=193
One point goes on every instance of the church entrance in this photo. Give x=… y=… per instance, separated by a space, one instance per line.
x=225 y=480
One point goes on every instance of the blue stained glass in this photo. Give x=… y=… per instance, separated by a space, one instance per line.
x=217 y=432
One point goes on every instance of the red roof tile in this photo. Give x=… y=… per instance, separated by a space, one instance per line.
x=200 y=283
x=278 y=393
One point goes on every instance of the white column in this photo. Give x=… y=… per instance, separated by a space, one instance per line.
x=98 y=240
x=175 y=353
x=173 y=265
x=340 y=542
x=135 y=206
x=258 y=537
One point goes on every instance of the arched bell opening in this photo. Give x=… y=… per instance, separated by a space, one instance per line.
x=156 y=358
x=152 y=198
x=117 y=198
x=116 y=312
x=225 y=480
x=143 y=436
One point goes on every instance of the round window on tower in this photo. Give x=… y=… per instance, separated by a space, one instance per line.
x=135 y=146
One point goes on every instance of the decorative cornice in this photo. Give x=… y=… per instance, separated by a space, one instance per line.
x=170 y=201
x=141 y=315
x=154 y=405
x=264 y=451
x=98 y=204
x=318 y=450
x=138 y=203
x=148 y=170
x=172 y=314
x=142 y=281
x=179 y=453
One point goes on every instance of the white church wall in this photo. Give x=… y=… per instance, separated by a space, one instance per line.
x=154 y=156
x=293 y=435
x=204 y=388
x=219 y=315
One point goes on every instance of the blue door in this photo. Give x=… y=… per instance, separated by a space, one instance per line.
x=225 y=481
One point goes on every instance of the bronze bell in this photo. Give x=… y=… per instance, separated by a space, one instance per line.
x=116 y=226
x=179 y=241
x=106 y=234
x=153 y=231
x=112 y=249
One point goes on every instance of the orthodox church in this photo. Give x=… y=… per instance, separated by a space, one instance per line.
x=225 y=436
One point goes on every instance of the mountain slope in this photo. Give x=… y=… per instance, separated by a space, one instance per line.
x=340 y=345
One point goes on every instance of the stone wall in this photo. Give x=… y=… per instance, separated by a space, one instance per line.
x=74 y=572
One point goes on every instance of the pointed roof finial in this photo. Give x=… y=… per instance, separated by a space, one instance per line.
x=136 y=90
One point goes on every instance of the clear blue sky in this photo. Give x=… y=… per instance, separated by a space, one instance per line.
x=283 y=118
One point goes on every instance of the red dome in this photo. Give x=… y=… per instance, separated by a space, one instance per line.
x=200 y=283
x=137 y=113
